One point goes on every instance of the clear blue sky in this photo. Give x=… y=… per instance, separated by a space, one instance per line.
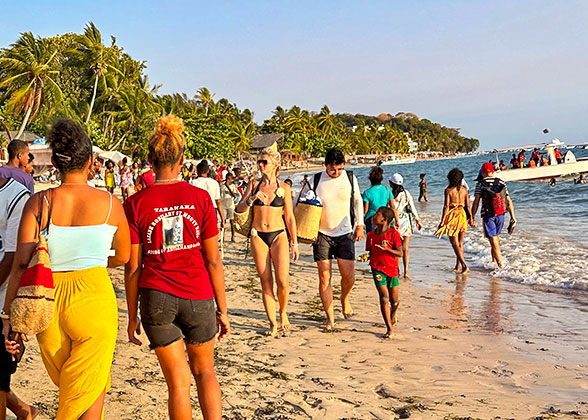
x=499 y=70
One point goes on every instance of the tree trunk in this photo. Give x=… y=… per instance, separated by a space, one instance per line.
x=93 y=98
x=25 y=121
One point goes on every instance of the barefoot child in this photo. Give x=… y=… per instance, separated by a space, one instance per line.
x=385 y=247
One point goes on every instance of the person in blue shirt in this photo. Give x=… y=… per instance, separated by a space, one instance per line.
x=376 y=196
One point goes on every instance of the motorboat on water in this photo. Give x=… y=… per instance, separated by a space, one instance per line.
x=395 y=160
x=568 y=168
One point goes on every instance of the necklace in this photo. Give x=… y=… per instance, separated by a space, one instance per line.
x=161 y=181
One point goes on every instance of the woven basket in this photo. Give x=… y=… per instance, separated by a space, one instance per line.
x=31 y=310
x=242 y=222
x=308 y=218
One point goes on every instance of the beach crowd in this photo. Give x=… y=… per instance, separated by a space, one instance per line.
x=168 y=232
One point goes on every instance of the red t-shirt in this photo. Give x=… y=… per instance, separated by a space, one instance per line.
x=382 y=260
x=147 y=178
x=170 y=221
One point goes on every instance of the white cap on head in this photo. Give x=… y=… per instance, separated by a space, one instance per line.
x=396 y=179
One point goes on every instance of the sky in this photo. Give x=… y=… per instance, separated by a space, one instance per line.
x=501 y=71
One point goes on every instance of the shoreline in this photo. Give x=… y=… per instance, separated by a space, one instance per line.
x=440 y=364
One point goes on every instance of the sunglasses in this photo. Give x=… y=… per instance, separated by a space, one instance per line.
x=262 y=162
x=335 y=170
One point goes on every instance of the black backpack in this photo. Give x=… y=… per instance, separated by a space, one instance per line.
x=493 y=197
x=316 y=180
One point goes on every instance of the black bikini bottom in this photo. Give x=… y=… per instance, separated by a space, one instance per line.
x=269 y=237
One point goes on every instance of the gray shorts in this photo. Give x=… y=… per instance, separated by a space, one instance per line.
x=229 y=213
x=167 y=318
x=329 y=247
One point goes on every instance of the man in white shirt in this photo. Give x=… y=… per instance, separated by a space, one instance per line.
x=213 y=188
x=13 y=197
x=340 y=227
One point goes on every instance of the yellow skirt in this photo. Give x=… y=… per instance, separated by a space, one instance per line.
x=454 y=222
x=78 y=347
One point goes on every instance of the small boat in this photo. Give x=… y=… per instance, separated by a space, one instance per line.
x=399 y=161
x=568 y=168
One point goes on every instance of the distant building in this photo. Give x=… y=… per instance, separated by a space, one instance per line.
x=413 y=146
x=261 y=141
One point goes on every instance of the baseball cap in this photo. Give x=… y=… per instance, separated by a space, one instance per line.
x=488 y=168
x=396 y=179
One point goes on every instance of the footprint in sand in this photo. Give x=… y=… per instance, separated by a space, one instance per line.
x=436 y=337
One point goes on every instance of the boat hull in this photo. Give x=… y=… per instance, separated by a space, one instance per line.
x=545 y=172
x=404 y=161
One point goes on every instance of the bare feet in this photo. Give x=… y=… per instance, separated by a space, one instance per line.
x=272 y=331
x=327 y=326
x=347 y=311
x=388 y=334
x=284 y=322
x=284 y=325
x=406 y=276
x=465 y=270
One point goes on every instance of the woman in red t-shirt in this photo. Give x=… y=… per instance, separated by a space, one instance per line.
x=176 y=268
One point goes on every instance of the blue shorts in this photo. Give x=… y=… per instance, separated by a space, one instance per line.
x=493 y=225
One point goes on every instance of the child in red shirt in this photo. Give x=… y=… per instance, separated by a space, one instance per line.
x=385 y=247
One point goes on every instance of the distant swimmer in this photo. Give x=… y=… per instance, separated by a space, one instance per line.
x=580 y=180
x=552 y=182
x=423 y=188
x=495 y=202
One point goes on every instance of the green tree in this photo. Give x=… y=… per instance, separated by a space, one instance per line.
x=205 y=99
x=28 y=76
x=98 y=58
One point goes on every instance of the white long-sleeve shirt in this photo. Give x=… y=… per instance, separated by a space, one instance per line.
x=335 y=194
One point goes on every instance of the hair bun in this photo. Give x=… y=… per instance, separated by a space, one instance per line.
x=169 y=126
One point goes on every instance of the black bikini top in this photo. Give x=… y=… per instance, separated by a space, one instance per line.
x=276 y=202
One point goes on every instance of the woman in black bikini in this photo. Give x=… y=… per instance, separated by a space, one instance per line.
x=271 y=204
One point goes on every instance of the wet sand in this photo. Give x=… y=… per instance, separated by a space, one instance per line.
x=453 y=356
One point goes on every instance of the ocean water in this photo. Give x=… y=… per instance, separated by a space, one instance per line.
x=550 y=244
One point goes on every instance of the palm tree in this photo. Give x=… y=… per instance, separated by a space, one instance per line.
x=241 y=135
x=29 y=78
x=297 y=120
x=136 y=106
x=325 y=121
x=99 y=58
x=279 y=115
x=205 y=99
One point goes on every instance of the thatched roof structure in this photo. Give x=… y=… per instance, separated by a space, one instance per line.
x=262 y=141
x=27 y=136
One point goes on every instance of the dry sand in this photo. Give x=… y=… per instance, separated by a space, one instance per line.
x=438 y=365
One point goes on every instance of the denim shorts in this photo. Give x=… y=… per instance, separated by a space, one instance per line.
x=167 y=318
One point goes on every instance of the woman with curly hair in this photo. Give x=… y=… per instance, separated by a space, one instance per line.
x=82 y=225
x=376 y=196
x=454 y=222
x=271 y=203
x=176 y=269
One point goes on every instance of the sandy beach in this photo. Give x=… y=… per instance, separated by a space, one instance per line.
x=441 y=364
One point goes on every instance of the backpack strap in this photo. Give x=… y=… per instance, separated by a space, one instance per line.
x=315 y=181
x=351 y=200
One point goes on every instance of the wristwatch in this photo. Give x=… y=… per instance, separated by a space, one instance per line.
x=4 y=315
